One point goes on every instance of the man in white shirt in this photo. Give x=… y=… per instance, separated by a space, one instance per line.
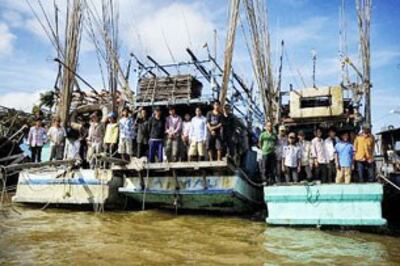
x=56 y=135
x=282 y=142
x=95 y=139
x=306 y=161
x=198 y=135
x=320 y=157
x=72 y=146
x=330 y=143
x=291 y=158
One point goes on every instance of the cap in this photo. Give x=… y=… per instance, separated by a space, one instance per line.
x=292 y=135
x=111 y=115
x=282 y=128
x=366 y=126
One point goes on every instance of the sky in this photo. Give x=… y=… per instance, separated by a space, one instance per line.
x=153 y=27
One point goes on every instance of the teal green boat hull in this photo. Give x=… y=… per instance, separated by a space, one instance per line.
x=230 y=193
x=325 y=204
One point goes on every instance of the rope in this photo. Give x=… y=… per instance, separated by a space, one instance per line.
x=145 y=189
x=176 y=194
x=3 y=178
x=249 y=179
x=389 y=182
x=63 y=174
x=310 y=195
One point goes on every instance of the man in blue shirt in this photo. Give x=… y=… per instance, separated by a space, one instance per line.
x=344 y=159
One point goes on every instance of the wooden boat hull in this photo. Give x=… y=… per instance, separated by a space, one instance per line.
x=325 y=204
x=80 y=187
x=230 y=193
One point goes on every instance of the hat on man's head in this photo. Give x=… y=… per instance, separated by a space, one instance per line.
x=366 y=126
x=282 y=128
x=111 y=115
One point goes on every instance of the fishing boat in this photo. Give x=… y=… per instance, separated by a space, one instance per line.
x=60 y=183
x=353 y=204
x=205 y=186
x=227 y=186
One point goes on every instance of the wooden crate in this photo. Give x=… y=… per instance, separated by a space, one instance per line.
x=168 y=88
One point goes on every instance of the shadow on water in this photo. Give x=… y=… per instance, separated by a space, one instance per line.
x=56 y=236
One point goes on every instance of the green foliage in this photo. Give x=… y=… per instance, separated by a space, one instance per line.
x=47 y=99
x=36 y=109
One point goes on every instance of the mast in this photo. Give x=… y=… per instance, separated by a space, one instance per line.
x=279 y=86
x=257 y=17
x=314 y=59
x=364 y=21
x=229 y=46
x=67 y=50
x=103 y=28
x=71 y=54
x=343 y=49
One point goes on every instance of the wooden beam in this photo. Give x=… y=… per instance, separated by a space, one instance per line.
x=21 y=166
x=186 y=165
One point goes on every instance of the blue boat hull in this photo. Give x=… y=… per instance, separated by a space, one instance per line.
x=325 y=204
x=230 y=193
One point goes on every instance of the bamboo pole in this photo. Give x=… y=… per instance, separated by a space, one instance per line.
x=71 y=54
x=364 y=21
x=229 y=46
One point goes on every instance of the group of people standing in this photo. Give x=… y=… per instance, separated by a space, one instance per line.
x=38 y=136
x=137 y=134
x=292 y=158
x=187 y=139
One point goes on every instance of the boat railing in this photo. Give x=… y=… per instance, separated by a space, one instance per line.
x=195 y=165
x=21 y=166
x=141 y=164
x=206 y=99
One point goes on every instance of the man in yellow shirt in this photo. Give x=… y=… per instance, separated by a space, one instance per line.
x=364 y=155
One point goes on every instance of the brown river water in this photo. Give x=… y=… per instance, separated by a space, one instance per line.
x=66 y=237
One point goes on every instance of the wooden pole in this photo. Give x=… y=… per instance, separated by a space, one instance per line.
x=364 y=22
x=229 y=46
x=71 y=53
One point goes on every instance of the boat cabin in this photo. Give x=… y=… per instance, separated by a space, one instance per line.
x=322 y=107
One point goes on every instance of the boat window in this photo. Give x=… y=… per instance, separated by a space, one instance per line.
x=318 y=101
